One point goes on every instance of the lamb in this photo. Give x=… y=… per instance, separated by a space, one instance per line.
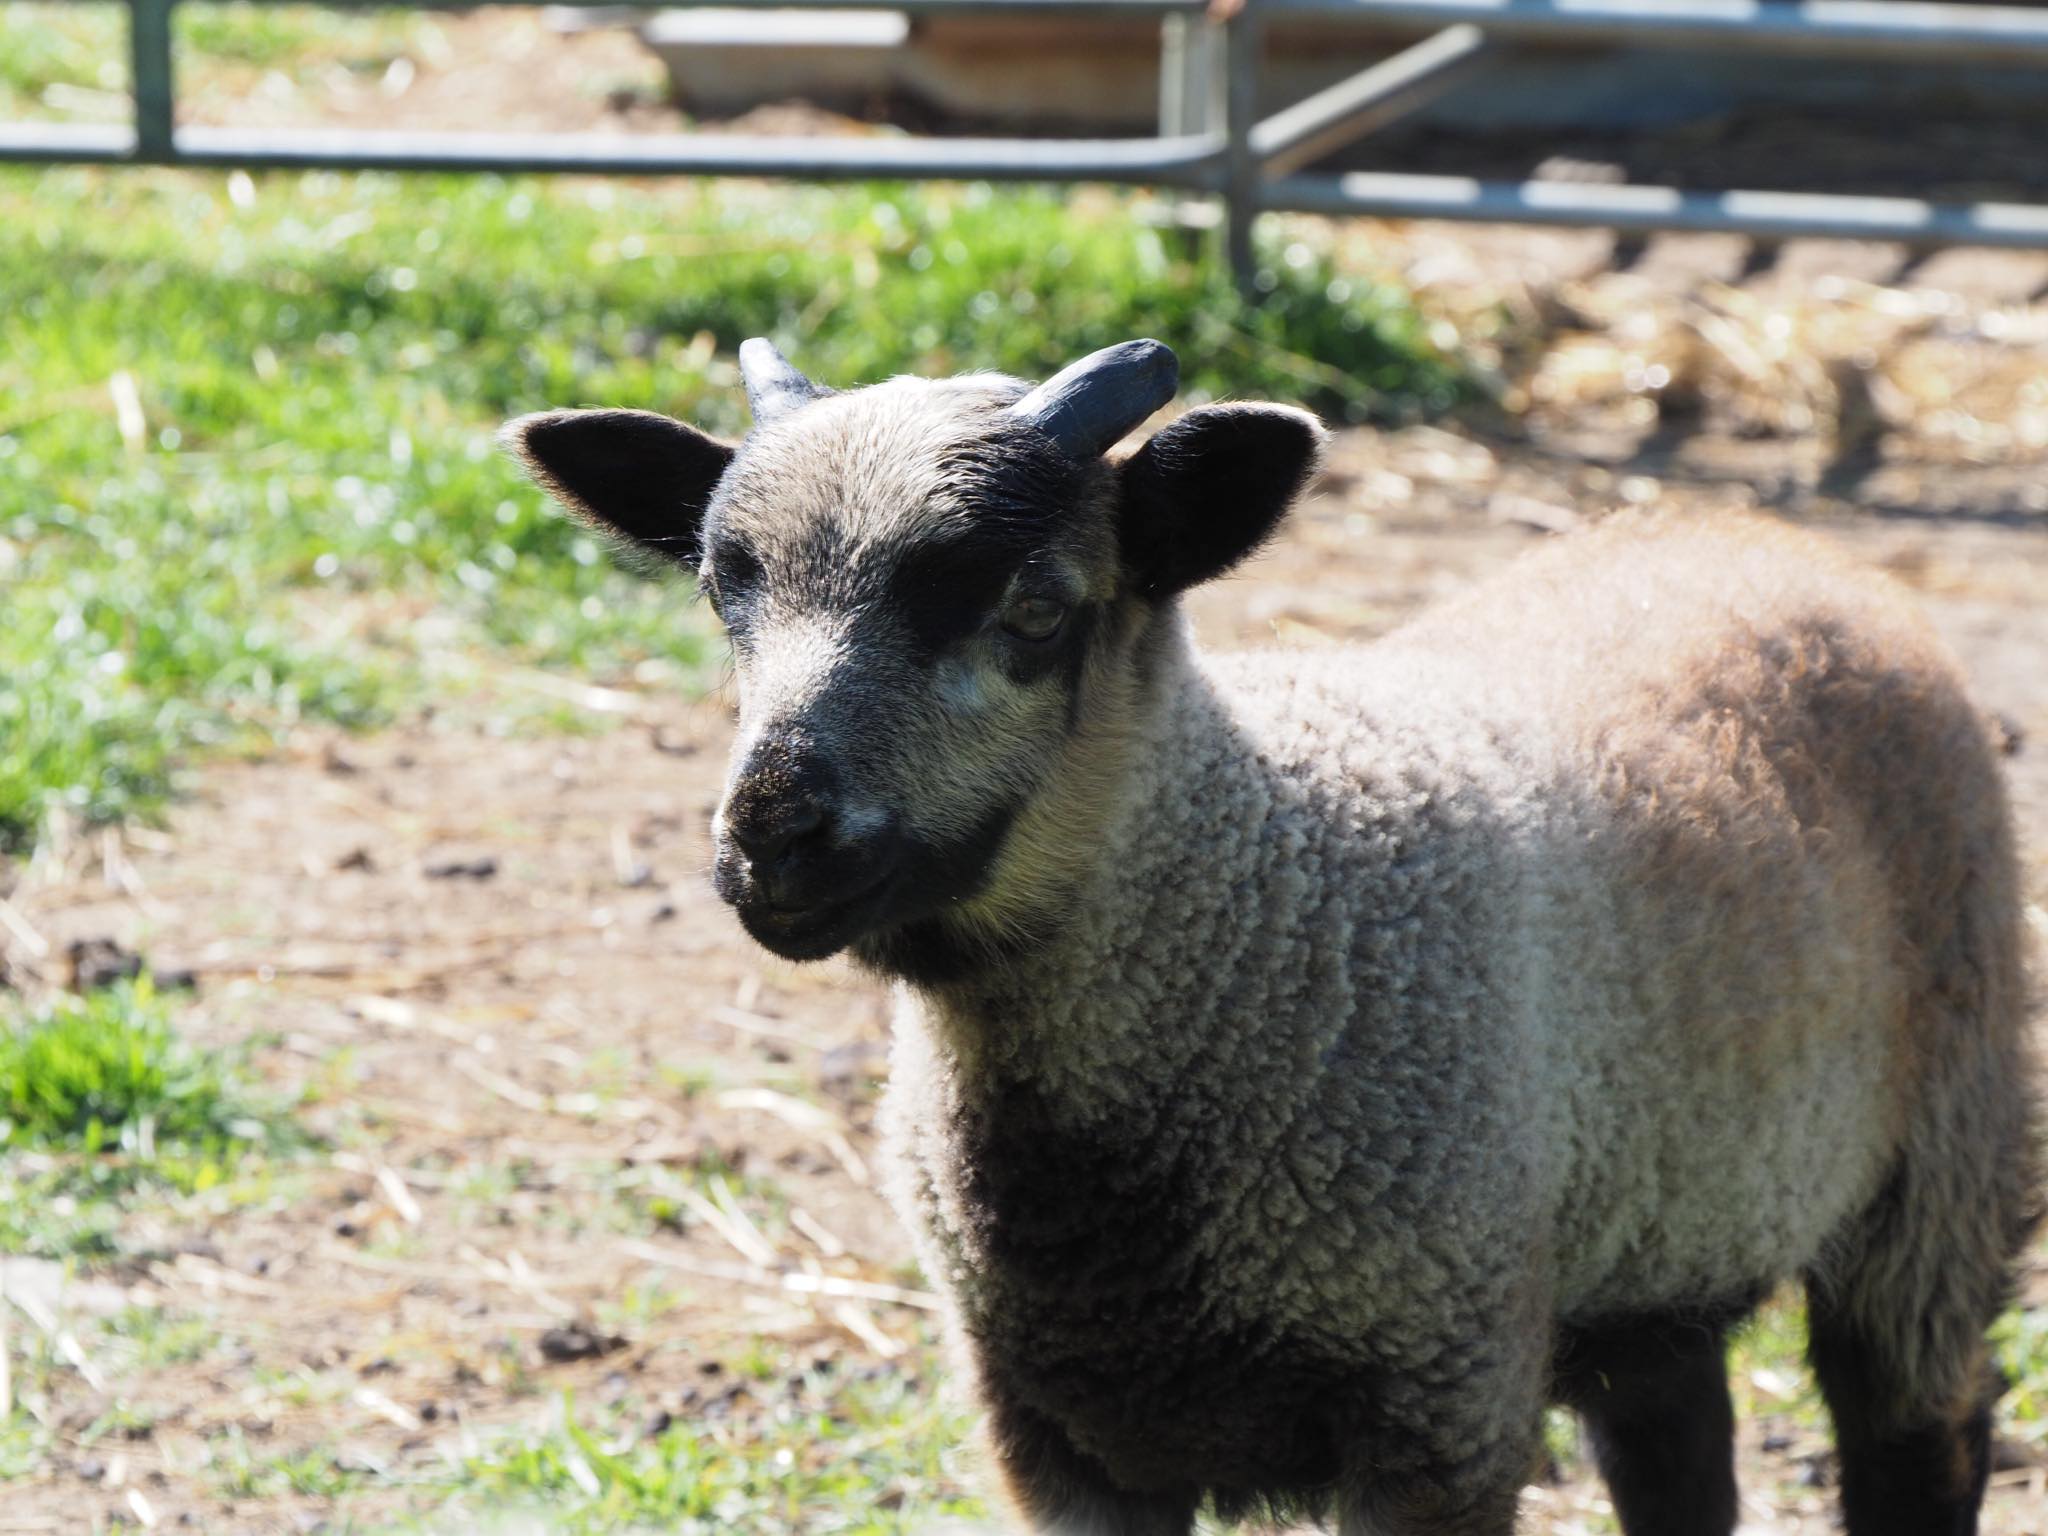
x=1310 y=1065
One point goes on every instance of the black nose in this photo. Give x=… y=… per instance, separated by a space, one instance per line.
x=771 y=830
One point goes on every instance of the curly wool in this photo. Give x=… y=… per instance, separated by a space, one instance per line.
x=1606 y=943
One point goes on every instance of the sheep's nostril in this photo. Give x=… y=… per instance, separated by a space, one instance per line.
x=767 y=837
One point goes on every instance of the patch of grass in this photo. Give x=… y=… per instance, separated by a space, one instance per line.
x=1767 y=1368
x=638 y=1303
x=247 y=475
x=24 y=1446
x=240 y=1471
x=2020 y=1340
x=60 y=1213
x=297 y=39
x=1562 y=1438
x=100 y=1099
x=69 y=61
x=124 y=659
x=76 y=48
x=108 y=1072
x=122 y=1420
x=150 y=1338
x=863 y=1457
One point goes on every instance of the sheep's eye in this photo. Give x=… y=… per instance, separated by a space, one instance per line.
x=1034 y=618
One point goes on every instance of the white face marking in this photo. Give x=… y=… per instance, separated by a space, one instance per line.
x=791 y=667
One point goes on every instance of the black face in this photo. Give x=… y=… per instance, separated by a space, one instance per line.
x=924 y=589
x=905 y=678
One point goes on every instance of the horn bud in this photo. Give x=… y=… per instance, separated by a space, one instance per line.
x=1088 y=405
x=774 y=387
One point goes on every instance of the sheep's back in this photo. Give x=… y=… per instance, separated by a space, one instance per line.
x=1734 y=795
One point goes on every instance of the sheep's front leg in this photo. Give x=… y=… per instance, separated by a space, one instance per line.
x=1056 y=1491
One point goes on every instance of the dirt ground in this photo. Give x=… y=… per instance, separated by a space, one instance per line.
x=495 y=961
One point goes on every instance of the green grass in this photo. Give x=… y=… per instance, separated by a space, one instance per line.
x=72 y=47
x=101 y=1099
x=868 y=1456
x=108 y=1071
x=823 y=1453
x=24 y=1444
x=2020 y=1341
x=70 y=60
x=307 y=518
x=67 y=1212
x=242 y=1471
x=150 y=1338
x=297 y=39
x=1768 y=1373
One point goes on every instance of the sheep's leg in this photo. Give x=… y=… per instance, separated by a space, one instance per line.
x=1898 y=1313
x=1909 y=1468
x=1057 y=1491
x=1654 y=1397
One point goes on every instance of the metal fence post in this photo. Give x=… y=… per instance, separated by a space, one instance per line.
x=1242 y=46
x=1191 y=106
x=149 y=42
x=1173 y=75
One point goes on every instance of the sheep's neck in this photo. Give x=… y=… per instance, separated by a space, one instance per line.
x=1194 y=813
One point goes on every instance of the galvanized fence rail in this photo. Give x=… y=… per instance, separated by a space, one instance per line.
x=1211 y=140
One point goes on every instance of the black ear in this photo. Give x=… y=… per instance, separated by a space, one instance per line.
x=1209 y=489
x=643 y=476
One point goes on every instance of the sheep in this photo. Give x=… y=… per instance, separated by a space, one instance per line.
x=1310 y=1065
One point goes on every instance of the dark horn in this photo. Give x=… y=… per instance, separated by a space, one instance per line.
x=1088 y=405
x=774 y=387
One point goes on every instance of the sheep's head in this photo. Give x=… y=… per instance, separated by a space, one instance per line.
x=943 y=598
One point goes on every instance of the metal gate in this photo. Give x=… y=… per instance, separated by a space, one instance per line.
x=1210 y=139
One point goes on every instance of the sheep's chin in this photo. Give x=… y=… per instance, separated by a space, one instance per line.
x=816 y=933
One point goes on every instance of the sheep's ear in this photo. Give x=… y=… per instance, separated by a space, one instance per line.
x=642 y=476
x=1209 y=489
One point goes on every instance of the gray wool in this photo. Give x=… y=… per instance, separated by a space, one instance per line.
x=1563 y=957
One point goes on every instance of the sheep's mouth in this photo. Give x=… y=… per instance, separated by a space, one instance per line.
x=887 y=883
x=815 y=929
